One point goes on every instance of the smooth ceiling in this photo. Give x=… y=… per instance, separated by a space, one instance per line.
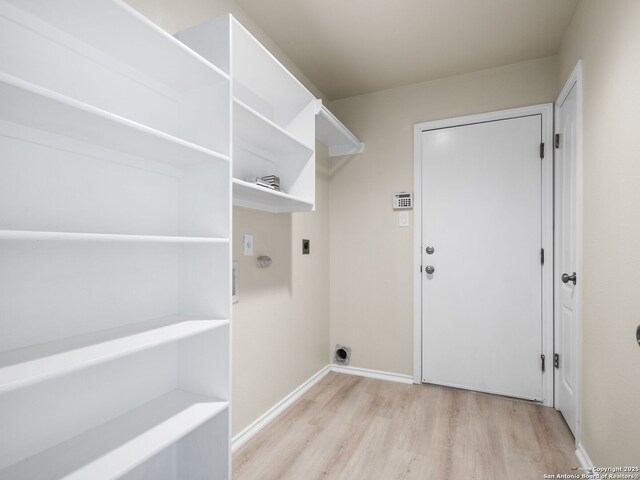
x=350 y=47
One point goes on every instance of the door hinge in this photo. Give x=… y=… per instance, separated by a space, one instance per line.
x=542 y=256
x=542 y=150
x=556 y=360
x=420 y=268
x=542 y=362
x=557 y=140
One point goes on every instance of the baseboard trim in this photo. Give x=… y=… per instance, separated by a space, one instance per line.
x=583 y=458
x=245 y=435
x=377 y=374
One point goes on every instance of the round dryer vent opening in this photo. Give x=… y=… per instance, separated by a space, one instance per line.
x=342 y=355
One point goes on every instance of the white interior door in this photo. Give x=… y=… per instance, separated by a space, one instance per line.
x=482 y=215
x=567 y=285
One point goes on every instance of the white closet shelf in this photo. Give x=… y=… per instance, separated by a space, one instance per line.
x=102 y=237
x=333 y=133
x=248 y=195
x=114 y=448
x=26 y=366
x=258 y=71
x=256 y=133
x=120 y=32
x=28 y=104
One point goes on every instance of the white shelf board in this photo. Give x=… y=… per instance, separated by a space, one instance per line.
x=30 y=235
x=337 y=137
x=120 y=32
x=256 y=133
x=260 y=72
x=26 y=366
x=28 y=104
x=248 y=195
x=114 y=448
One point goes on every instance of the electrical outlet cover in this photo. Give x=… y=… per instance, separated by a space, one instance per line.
x=404 y=219
x=247 y=242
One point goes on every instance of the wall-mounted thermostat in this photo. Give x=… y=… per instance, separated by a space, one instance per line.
x=402 y=200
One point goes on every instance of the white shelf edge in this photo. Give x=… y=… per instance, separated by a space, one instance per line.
x=26 y=17
x=270 y=193
x=272 y=57
x=271 y=124
x=116 y=447
x=102 y=237
x=341 y=150
x=92 y=111
x=351 y=143
x=37 y=363
x=149 y=24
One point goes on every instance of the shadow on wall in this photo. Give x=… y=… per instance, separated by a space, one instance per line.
x=338 y=163
x=271 y=236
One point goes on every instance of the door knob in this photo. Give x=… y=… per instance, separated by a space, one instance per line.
x=430 y=269
x=566 y=278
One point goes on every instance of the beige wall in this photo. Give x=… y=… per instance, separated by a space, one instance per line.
x=281 y=324
x=606 y=35
x=371 y=257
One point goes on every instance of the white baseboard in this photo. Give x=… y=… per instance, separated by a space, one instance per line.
x=245 y=435
x=583 y=458
x=365 y=372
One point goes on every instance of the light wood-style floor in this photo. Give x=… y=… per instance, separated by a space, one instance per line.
x=356 y=428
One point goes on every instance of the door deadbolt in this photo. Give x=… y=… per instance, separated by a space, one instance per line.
x=430 y=250
x=430 y=269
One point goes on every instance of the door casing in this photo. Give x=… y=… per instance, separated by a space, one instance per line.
x=575 y=79
x=546 y=111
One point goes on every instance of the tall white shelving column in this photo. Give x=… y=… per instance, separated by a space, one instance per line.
x=273 y=118
x=115 y=225
x=276 y=120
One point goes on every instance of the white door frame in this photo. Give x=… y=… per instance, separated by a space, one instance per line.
x=575 y=79
x=546 y=111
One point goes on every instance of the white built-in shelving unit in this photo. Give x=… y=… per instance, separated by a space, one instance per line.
x=115 y=205
x=276 y=120
x=120 y=148
x=273 y=118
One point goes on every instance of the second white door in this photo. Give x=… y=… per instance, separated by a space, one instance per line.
x=481 y=239
x=567 y=315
